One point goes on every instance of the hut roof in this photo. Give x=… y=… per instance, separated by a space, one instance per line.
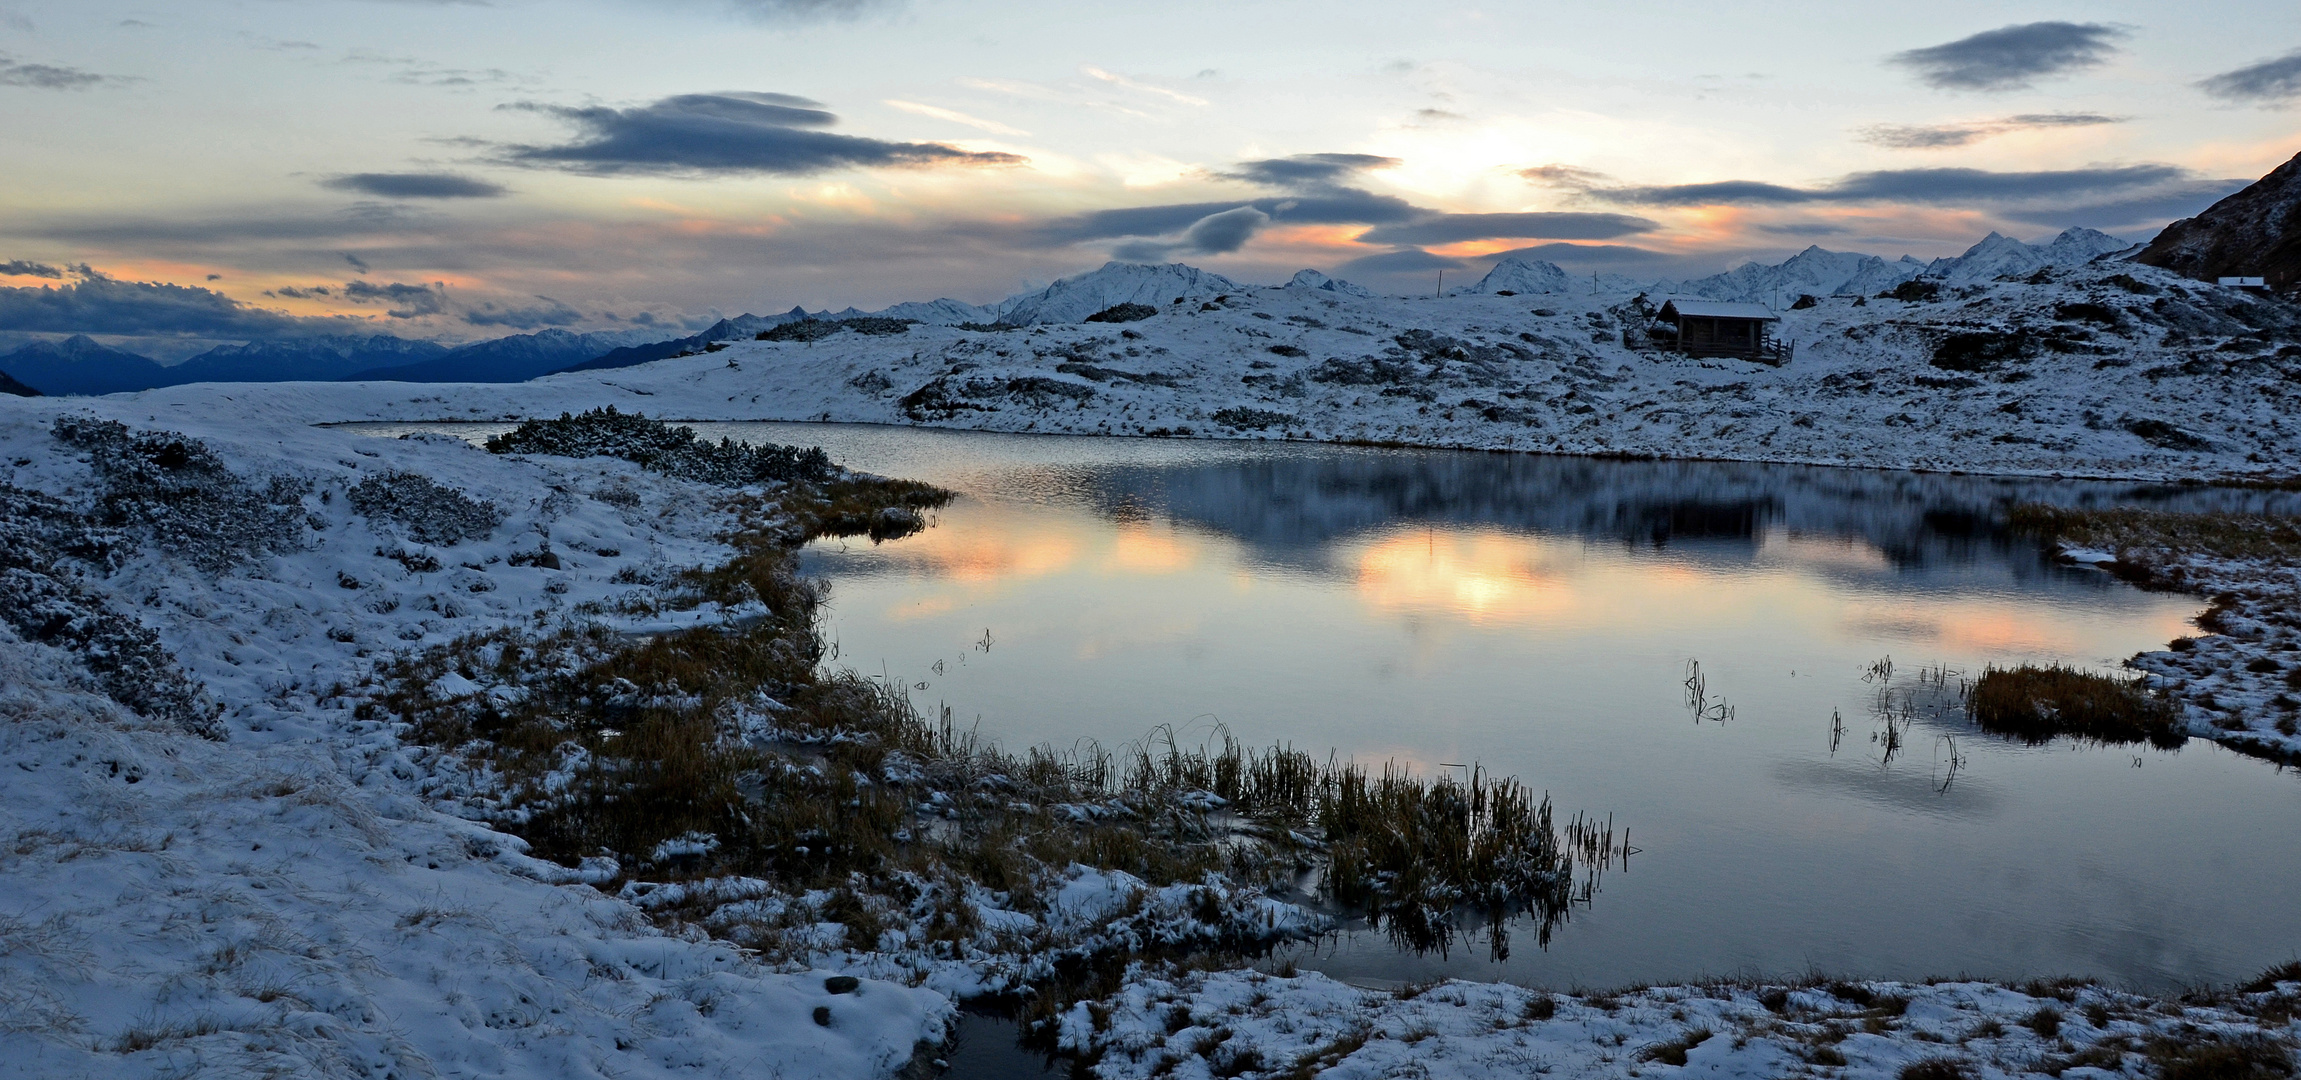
x=1719 y=309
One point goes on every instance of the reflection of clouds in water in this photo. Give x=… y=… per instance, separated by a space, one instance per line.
x=1981 y=628
x=1141 y=549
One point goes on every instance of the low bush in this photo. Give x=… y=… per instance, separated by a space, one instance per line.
x=175 y=493
x=1245 y=418
x=1123 y=313
x=659 y=447
x=429 y=513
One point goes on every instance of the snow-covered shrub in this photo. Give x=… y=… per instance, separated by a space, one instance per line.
x=175 y=493
x=660 y=447
x=429 y=513
x=39 y=539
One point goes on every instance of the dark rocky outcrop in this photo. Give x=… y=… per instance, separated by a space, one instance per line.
x=2256 y=232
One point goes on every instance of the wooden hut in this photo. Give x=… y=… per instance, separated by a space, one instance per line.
x=1725 y=328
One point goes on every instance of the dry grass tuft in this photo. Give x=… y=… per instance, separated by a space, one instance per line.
x=2035 y=704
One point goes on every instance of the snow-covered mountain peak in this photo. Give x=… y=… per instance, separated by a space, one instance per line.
x=1533 y=276
x=1312 y=279
x=1074 y=298
x=1998 y=255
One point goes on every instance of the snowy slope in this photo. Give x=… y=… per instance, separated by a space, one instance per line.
x=300 y=897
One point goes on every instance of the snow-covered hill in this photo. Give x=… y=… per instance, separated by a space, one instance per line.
x=2101 y=369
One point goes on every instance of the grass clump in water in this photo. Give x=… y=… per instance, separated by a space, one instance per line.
x=2035 y=703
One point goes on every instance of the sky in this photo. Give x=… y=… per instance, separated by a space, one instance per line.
x=208 y=170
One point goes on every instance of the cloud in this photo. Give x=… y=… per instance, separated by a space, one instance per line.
x=1456 y=228
x=1402 y=261
x=416 y=186
x=1804 y=228
x=1215 y=234
x=954 y=116
x=1307 y=170
x=356 y=262
x=549 y=312
x=403 y=301
x=732 y=132
x=2011 y=57
x=48 y=76
x=806 y=9
x=1565 y=176
x=1588 y=255
x=1340 y=207
x=1939 y=136
x=294 y=293
x=1935 y=186
x=2270 y=82
x=97 y=304
x=22 y=268
x=1141 y=87
x=2140 y=213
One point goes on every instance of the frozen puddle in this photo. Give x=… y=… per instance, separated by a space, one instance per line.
x=1541 y=617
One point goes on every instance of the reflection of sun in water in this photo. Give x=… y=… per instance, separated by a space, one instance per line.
x=1482 y=576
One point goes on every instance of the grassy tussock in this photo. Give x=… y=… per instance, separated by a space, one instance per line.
x=2035 y=704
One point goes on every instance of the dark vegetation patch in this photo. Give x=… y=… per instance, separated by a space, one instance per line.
x=2034 y=704
x=659 y=447
x=2160 y=433
x=41 y=541
x=178 y=497
x=429 y=513
x=818 y=329
x=1674 y=1051
x=1245 y=418
x=1981 y=350
x=1123 y=313
x=2208 y=1058
x=1294 y=351
x=1915 y=291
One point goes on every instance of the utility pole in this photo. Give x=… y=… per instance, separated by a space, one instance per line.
x=1441 y=290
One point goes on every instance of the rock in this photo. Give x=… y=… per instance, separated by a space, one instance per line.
x=842 y=984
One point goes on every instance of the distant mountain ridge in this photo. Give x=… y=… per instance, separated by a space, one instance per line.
x=1818 y=271
x=11 y=386
x=81 y=365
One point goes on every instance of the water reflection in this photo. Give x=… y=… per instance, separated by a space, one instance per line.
x=1537 y=616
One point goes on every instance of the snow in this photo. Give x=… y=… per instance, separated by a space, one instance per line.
x=300 y=897
x=1196 y=1025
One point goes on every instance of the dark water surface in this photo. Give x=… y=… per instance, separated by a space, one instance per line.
x=1539 y=616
